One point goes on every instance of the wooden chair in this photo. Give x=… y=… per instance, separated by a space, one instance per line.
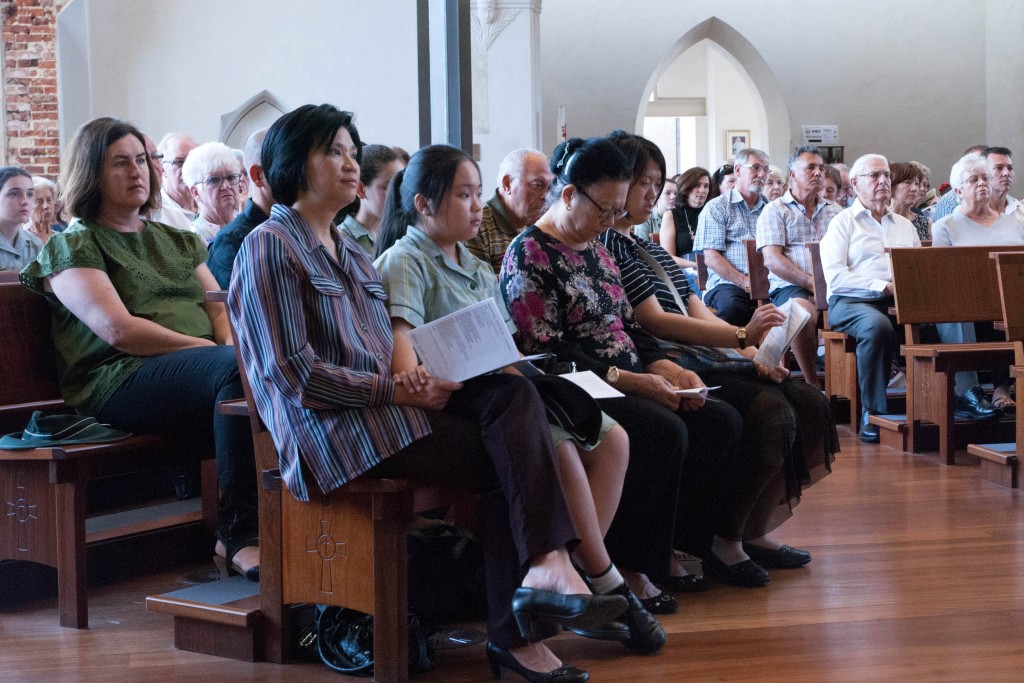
x=940 y=285
x=702 y=271
x=757 y=272
x=840 y=348
x=1000 y=462
x=9 y=276
x=347 y=548
x=44 y=489
x=655 y=237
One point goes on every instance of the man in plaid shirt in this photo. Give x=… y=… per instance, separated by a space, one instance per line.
x=724 y=223
x=784 y=227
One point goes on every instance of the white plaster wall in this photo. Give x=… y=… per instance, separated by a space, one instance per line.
x=907 y=79
x=180 y=64
x=512 y=98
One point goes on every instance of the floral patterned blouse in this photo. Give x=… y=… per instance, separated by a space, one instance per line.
x=571 y=302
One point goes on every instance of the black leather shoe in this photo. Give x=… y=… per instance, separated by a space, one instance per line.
x=785 y=557
x=500 y=659
x=868 y=432
x=612 y=630
x=662 y=603
x=747 y=573
x=974 y=405
x=685 y=584
x=644 y=634
x=531 y=606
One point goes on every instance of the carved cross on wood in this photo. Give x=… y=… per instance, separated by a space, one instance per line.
x=327 y=548
x=22 y=511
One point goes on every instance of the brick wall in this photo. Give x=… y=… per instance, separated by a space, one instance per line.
x=30 y=85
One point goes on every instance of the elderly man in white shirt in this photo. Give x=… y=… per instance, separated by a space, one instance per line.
x=177 y=207
x=859 y=279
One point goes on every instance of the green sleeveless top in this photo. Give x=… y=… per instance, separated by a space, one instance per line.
x=153 y=272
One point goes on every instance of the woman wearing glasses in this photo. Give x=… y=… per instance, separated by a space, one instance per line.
x=139 y=348
x=213 y=174
x=563 y=289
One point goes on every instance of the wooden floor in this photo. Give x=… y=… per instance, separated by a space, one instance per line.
x=918 y=575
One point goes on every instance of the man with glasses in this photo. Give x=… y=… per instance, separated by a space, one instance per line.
x=785 y=226
x=518 y=202
x=724 y=223
x=859 y=279
x=177 y=208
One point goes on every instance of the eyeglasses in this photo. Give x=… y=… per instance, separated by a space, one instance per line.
x=984 y=179
x=173 y=162
x=215 y=180
x=156 y=157
x=756 y=168
x=876 y=175
x=606 y=214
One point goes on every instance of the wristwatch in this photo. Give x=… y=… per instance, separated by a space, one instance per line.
x=612 y=376
x=741 y=337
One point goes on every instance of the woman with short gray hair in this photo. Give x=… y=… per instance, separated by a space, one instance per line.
x=212 y=173
x=976 y=223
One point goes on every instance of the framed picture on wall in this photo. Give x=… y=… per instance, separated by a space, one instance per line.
x=735 y=140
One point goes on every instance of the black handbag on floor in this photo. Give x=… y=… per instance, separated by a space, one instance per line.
x=344 y=639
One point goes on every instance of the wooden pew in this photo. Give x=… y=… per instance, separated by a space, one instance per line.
x=702 y=271
x=757 y=272
x=1000 y=462
x=346 y=549
x=840 y=348
x=44 y=489
x=939 y=285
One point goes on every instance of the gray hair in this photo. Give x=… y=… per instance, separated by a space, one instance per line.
x=802 y=149
x=513 y=164
x=746 y=153
x=205 y=159
x=967 y=164
x=861 y=162
x=39 y=183
x=167 y=140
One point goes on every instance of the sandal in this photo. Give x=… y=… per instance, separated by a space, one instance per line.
x=1003 y=402
x=227 y=566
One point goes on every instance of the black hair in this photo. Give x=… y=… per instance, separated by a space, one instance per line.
x=641 y=152
x=716 y=179
x=430 y=173
x=1003 y=151
x=290 y=141
x=8 y=172
x=584 y=163
x=373 y=159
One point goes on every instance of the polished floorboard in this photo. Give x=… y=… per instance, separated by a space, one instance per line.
x=918 y=575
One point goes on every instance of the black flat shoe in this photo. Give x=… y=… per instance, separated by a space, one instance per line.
x=868 y=432
x=531 y=606
x=785 y=557
x=685 y=584
x=662 y=603
x=500 y=659
x=747 y=573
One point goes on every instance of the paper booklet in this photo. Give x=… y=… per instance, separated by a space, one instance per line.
x=697 y=392
x=593 y=385
x=779 y=338
x=469 y=342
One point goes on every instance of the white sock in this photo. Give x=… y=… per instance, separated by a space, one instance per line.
x=606 y=581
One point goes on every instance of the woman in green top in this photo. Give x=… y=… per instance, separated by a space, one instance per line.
x=139 y=347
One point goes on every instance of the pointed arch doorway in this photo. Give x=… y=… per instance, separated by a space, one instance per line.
x=711 y=88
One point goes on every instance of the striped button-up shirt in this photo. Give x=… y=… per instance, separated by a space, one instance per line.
x=723 y=225
x=315 y=340
x=784 y=223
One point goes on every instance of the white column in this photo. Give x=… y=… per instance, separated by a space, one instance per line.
x=506 y=81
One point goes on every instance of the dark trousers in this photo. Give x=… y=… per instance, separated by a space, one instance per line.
x=177 y=393
x=676 y=483
x=868 y=321
x=732 y=303
x=493 y=438
x=643 y=530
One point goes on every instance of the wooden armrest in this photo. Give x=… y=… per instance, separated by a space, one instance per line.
x=935 y=350
x=216 y=296
x=236 y=406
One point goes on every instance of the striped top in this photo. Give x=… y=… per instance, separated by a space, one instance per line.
x=315 y=340
x=638 y=278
